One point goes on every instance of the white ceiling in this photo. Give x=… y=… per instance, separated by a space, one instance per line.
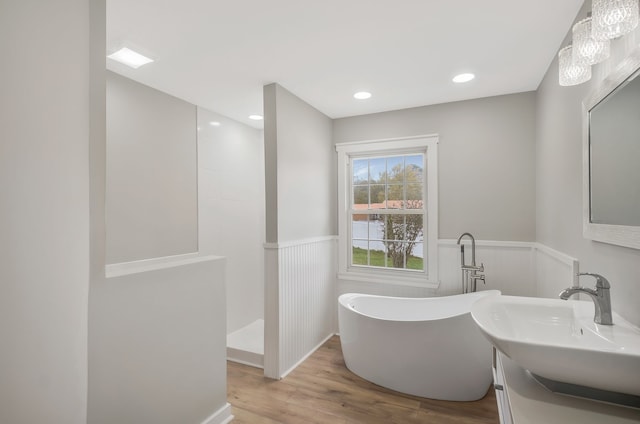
x=219 y=54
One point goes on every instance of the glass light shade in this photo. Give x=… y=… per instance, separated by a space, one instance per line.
x=571 y=73
x=613 y=18
x=586 y=49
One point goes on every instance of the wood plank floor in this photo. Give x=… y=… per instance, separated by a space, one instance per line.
x=322 y=390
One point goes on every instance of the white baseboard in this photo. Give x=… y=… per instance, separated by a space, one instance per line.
x=221 y=416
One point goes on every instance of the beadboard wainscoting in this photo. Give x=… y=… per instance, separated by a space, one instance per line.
x=300 y=301
x=554 y=271
x=509 y=267
x=302 y=287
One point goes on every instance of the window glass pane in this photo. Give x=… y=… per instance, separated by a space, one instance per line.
x=376 y=230
x=376 y=170
x=360 y=227
x=395 y=196
x=394 y=227
x=396 y=254
x=377 y=196
x=414 y=168
x=359 y=241
x=395 y=170
x=414 y=230
x=415 y=258
x=360 y=255
x=361 y=197
x=360 y=171
x=414 y=161
x=377 y=254
x=414 y=196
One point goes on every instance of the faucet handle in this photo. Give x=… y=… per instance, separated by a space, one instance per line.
x=601 y=282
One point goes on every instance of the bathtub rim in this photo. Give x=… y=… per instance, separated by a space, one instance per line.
x=343 y=298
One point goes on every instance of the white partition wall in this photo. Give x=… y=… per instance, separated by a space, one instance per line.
x=301 y=226
x=157 y=336
x=158 y=352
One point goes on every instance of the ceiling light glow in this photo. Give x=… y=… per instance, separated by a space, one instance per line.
x=362 y=95
x=461 y=78
x=256 y=117
x=130 y=58
x=214 y=123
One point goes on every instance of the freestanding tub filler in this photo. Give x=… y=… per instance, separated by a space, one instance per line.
x=428 y=347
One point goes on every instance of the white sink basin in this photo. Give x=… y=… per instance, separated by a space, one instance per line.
x=558 y=340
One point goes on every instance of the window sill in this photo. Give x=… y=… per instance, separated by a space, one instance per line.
x=381 y=277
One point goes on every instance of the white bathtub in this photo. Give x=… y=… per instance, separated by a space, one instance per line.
x=428 y=347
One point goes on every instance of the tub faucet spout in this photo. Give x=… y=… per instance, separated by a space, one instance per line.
x=470 y=272
x=600 y=296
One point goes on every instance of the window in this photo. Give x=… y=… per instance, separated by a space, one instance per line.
x=388 y=210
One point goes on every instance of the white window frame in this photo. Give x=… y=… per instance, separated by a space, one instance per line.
x=425 y=144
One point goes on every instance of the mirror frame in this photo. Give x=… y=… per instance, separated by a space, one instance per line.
x=621 y=235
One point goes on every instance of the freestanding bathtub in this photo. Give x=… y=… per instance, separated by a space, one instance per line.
x=428 y=347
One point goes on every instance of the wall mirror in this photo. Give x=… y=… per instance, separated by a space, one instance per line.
x=611 y=158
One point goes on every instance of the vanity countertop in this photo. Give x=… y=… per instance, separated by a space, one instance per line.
x=531 y=403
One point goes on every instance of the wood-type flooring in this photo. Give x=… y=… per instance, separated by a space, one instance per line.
x=322 y=390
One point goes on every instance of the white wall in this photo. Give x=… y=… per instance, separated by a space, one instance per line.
x=303 y=177
x=559 y=182
x=45 y=130
x=151 y=197
x=486 y=186
x=158 y=351
x=486 y=168
x=231 y=219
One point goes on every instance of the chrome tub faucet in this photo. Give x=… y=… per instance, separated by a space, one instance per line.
x=470 y=272
x=600 y=296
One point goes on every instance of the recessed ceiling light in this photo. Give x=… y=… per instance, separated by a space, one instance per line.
x=130 y=58
x=362 y=95
x=214 y=123
x=463 y=78
x=256 y=117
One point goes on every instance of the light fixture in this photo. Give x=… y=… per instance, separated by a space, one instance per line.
x=570 y=72
x=214 y=123
x=609 y=19
x=614 y=18
x=586 y=49
x=362 y=95
x=130 y=58
x=461 y=78
x=256 y=117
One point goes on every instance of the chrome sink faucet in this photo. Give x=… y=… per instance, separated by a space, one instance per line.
x=600 y=297
x=470 y=272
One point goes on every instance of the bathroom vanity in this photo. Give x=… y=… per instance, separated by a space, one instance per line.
x=522 y=400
